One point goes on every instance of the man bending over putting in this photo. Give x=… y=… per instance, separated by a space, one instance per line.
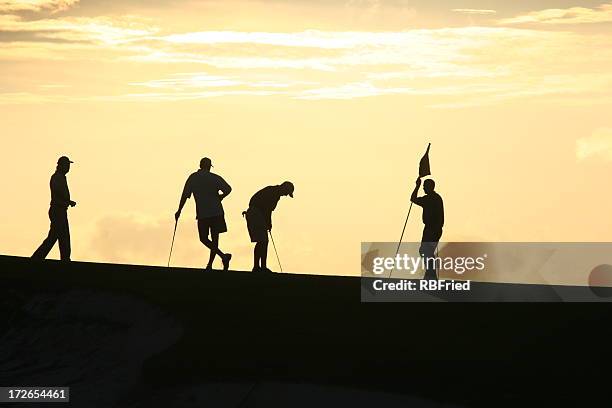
x=259 y=220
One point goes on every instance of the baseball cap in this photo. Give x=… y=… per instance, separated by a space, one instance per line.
x=64 y=159
x=206 y=162
x=287 y=185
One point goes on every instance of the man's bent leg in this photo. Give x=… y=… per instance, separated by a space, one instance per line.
x=203 y=232
x=214 y=248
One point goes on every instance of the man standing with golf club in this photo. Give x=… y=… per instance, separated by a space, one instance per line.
x=259 y=221
x=208 y=190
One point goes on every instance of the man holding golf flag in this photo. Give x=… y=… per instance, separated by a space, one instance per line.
x=208 y=190
x=259 y=221
x=433 y=216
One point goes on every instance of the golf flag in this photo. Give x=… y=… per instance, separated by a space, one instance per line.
x=424 y=164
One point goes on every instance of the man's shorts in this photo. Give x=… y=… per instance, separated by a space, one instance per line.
x=256 y=223
x=214 y=225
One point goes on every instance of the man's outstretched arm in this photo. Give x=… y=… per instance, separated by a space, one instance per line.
x=414 y=197
x=186 y=194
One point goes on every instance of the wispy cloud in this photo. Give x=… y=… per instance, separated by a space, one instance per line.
x=36 y=5
x=350 y=91
x=28 y=98
x=95 y=30
x=572 y=15
x=310 y=38
x=204 y=80
x=474 y=11
x=463 y=66
x=183 y=81
x=54 y=86
x=597 y=146
x=185 y=96
x=479 y=65
x=144 y=240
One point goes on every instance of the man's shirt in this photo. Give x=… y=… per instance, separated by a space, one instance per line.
x=265 y=200
x=433 y=210
x=60 y=195
x=205 y=187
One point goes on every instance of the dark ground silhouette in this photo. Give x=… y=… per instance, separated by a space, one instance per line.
x=293 y=329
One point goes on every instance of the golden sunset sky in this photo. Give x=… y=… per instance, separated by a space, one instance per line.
x=340 y=97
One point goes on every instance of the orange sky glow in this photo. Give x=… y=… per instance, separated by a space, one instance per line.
x=340 y=97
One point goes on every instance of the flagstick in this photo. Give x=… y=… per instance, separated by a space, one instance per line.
x=399 y=244
x=421 y=174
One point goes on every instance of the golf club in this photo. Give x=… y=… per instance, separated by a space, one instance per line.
x=276 y=252
x=172 y=245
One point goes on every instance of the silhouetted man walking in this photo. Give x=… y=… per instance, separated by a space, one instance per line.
x=433 y=218
x=259 y=220
x=205 y=187
x=58 y=213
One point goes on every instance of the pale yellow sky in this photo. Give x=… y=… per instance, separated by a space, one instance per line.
x=340 y=97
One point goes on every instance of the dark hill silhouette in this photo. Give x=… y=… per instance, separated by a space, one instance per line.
x=157 y=330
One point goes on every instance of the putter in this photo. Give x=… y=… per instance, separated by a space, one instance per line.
x=172 y=245
x=276 y=252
